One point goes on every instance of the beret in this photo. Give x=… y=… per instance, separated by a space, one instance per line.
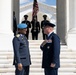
x=22 y=26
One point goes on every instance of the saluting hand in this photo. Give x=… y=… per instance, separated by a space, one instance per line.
x=20 y=66
x=52 y=65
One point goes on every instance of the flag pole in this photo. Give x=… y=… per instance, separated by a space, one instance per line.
x=35 y=8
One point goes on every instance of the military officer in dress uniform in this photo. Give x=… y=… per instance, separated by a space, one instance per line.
x=28 y=25
x=51 y=51
x=35 y=28
x=42 y=25
x=21 y=51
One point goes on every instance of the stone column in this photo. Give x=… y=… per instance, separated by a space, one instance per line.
x=61 y=20
x=16 y=9
x=71 y=36
x=6 y=34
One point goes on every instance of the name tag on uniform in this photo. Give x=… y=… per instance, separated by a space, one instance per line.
x=49 y=41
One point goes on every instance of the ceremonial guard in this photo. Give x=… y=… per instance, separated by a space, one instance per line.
x=28 y=25
x=35 y=28
x=42 y=25
x=14 y=24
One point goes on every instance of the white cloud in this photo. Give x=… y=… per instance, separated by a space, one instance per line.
x=24 y=1
x=42 y=0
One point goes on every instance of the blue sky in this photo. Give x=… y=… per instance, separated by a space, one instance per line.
x=48 y=2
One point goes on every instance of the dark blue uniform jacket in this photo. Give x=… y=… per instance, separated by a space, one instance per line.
x=51 y=52
x=21 y=50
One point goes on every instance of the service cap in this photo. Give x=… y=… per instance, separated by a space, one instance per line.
x=49 y=24
x=44 y=15
x=25 y=15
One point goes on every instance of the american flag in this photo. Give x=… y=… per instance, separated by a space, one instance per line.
x=35 y=8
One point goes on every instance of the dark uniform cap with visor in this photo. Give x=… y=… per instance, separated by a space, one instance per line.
x=49 y=24
x=44 y=15
x=25 y=15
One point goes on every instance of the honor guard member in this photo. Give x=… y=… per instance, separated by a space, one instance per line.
x=14 y=24
x=28 y=25
x=51 y=51
x=21 y=51
x=42 y=25
x=35 y=28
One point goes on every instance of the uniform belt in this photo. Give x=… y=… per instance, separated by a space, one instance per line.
x=23 y=58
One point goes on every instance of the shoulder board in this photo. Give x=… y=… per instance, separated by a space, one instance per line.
x=18 y=35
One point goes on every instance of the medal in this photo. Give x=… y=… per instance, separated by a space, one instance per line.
x=48 y=47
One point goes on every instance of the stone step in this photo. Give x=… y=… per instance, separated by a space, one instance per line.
x=39 y=60
x=39 y=42
x=63 y=73
x=62 y=65
x=39 y=56
x=37 y=49
x=34 y=65
x=38 y=45
x=6 y=65
x=35 y=46
x=4 y=70
x=35 y=52
x=35 y=41
x=39 y=73
x=9 y=54
x=62 y=60
x=67 y=59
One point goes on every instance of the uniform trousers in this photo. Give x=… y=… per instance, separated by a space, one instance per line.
x=34 y=36
x=49 y=71
x=24 y=71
